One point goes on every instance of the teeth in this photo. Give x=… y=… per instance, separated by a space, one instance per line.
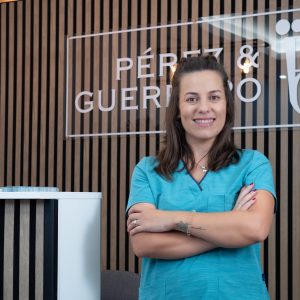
x=203 y=121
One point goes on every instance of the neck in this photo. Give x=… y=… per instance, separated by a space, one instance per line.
x=201 y=153
x=200 y=147
x=202 y=161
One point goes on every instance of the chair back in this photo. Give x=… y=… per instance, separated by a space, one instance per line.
x=119 y=285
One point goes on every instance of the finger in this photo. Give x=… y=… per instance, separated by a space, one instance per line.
x=133 y=216
x=135 y=230
x=244 y=200
x=130 y=227
x=129 y=221
x=247 y=197
x=245 y=194
x=133 y=224
x=238 y=206
x=134 y=210
x=248 y=204
x=246 y=189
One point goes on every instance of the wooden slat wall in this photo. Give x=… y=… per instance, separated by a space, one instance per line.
x=34 y=150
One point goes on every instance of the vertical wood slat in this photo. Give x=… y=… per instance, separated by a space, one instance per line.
x=113 y=144
x=26 y=97
x=122 y=183
x=8 y=250
x=3 y=62
x=77 y=158
x=295 y=215
x=272 y=149
x=87 y=144
x=58 y=145
x=34 y=99
x=24 y=250
x=105 y=221
x=289 y=261
x=43 y=84
x=39 y=250
x=163 y=48
x=132 y=80
x=155 y=113
x=18 y=96
x=96 y=61
x=9 y=91
x=68 y=144
x=284 y=186
x=54 y=14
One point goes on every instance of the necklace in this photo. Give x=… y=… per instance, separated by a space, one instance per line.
x=203 y=167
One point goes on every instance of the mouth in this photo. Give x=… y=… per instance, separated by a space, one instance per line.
x=204 y=122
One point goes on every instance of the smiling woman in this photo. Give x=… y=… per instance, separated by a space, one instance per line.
x=202 y=108
x=199 y=85
x=198 y=210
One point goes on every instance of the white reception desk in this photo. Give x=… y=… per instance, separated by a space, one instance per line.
x=78 y=241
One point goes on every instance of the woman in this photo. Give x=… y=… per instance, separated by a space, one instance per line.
x=197 y=211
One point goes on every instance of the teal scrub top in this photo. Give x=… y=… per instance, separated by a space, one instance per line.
x=223 y=273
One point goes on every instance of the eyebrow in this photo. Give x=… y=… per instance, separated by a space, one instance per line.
x=215 y=91
x=191 y=93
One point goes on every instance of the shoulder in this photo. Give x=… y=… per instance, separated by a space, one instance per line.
x=258 y=169
x=252 y=156
x=147 y=163
x=146 y=166
x=249 y=161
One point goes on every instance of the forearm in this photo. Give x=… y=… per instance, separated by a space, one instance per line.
x=226 y=229
x=230 y=229
x=168 y=245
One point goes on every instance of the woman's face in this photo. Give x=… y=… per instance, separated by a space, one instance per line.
x=202 y=106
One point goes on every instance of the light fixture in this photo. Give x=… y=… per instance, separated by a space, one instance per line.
x=246 y=66
x=282 y=76
x=173 y=69
x=5 y=1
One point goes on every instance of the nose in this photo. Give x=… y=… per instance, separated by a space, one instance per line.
x=203 y=106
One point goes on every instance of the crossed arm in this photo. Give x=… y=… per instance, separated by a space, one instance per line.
x=163 y=234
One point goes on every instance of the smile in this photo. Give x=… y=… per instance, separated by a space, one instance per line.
x=204 y=122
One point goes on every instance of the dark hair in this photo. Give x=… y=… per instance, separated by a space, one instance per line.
x=223 y=151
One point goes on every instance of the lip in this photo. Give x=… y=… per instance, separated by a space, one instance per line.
x=204 y=122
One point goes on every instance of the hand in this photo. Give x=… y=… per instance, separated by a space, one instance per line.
x=148 y=219
x=246 y=198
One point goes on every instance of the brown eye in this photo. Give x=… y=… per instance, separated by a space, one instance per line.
x=214 y=97
x=191 y=100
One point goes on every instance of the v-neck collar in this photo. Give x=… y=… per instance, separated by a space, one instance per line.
x=198 y=182
x=182 y=167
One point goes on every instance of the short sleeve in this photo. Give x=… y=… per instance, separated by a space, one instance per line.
x=260 y=173
x=140 y=189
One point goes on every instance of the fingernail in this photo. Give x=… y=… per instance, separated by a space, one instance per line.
x=252 y=183
x=253 y=191
x=254 y=199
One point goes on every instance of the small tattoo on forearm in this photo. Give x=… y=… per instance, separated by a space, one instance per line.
x=200 y=228
x=183 y=227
